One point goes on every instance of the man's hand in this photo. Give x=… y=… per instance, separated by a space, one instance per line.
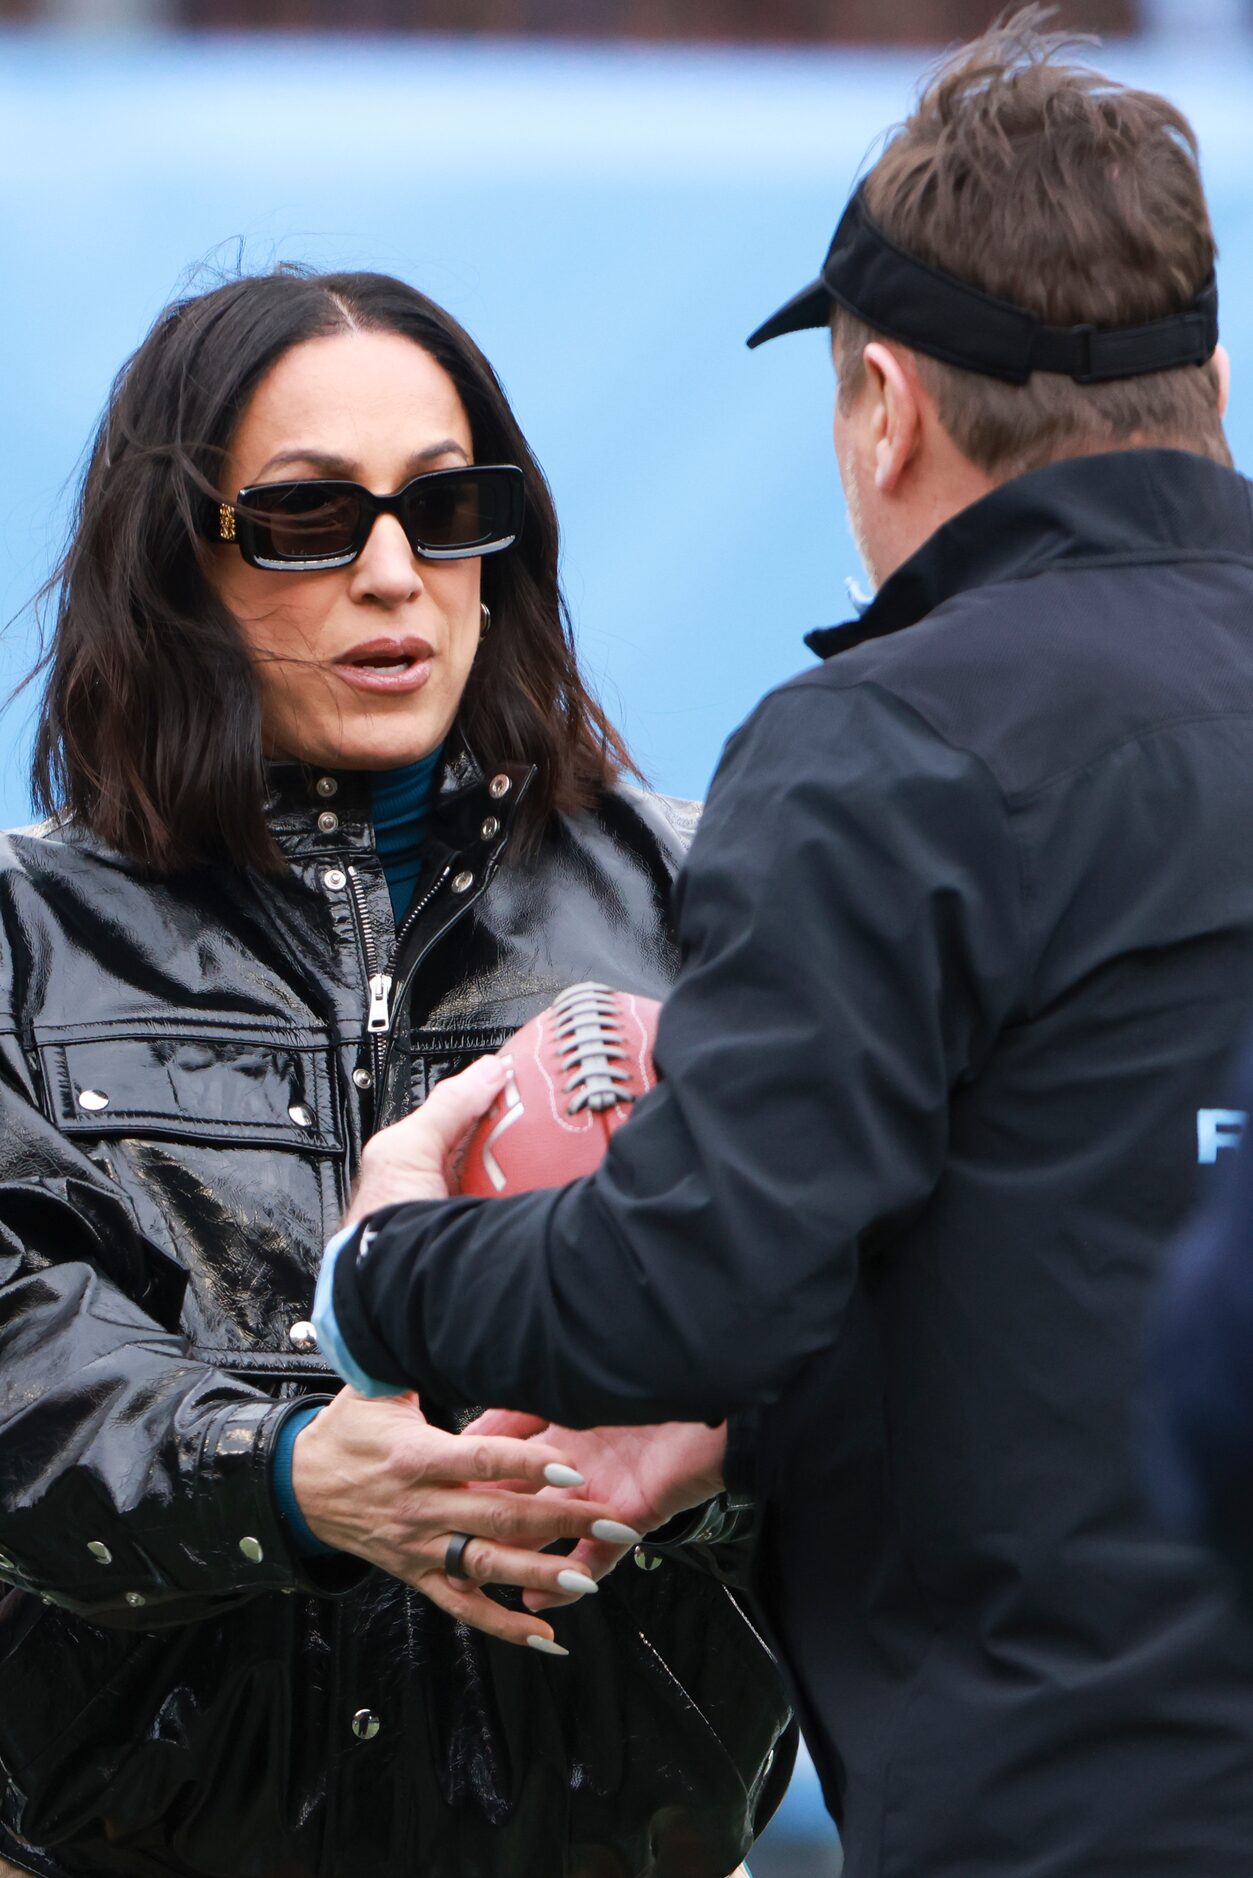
x=647 y=1474
x=374 y=1478
x=413 y=1159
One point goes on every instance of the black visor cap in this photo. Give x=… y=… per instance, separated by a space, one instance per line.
x=810 y=307
x=933 y=312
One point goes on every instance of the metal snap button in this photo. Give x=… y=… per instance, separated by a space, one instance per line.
x=100 y=1551
x=326 y=786
x=647 y=1561
x=499 y=786
x=334 y=880
x=363 y=1078
x=135 y=1599
x=92 y=1099
x=365 y=1724
x=302 y=1116
x=252 y=1550
x=303 y=1337
x=490 y=827
x=328 y=821
x=463 y=881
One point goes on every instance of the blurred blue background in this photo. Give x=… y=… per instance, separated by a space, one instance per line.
x=609 y=222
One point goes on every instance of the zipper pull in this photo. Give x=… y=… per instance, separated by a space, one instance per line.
x=379 y=1017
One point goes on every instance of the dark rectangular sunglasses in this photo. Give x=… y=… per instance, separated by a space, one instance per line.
x=447 y=515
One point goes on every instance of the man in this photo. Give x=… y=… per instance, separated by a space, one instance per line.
x=967 y=931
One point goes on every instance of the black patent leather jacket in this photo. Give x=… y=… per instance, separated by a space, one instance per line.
x=188 y=1069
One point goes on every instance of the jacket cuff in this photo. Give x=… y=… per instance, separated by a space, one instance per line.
x=303 y=1538
x=247 y=1533
x=326 y=1574
x=357 y=1337
x=234 y=1546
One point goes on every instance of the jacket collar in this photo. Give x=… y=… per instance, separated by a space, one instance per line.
x=298 y=793
x=1126 y=505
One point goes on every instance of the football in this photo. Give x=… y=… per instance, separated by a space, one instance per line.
x=574 y=1073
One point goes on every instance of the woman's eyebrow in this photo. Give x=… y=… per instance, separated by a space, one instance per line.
x=327 y=465
x=448 y=446
x=342 y=469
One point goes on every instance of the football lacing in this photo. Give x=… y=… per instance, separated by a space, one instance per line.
x=591 y=1044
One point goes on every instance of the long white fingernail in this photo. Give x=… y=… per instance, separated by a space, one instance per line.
x=614 y=1533
x=577 y=1582
x=558 y=1475
x=547 y=1645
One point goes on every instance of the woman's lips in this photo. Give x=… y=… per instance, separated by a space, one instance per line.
x=387 y=665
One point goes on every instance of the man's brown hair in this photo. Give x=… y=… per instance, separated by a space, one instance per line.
x=1047 y=184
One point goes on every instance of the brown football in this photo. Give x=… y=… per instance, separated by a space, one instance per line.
x=574 y=1073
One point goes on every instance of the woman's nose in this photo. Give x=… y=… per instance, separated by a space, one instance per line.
x=387 y=570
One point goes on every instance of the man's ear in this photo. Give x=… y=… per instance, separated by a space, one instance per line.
x=897 y=413
x=1222 y=365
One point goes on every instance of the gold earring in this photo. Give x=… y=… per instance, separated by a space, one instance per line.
x=485 y=619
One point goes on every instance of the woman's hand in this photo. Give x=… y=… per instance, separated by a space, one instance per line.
x=374 y=1478
x=648 y=1474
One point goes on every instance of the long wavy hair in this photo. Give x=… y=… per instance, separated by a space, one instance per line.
x=149 y=731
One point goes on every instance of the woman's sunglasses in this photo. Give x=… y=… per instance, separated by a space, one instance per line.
x=448 y=515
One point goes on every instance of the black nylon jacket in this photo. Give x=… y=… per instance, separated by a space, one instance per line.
x=968 y=942
x=187 y=1072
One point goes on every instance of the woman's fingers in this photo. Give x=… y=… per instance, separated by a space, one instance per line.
x=470 y=1606
x=589 y=1559
x=485 y=1563
x=513 y=1518
x=373 y=1478
x=550 y=1600
x=475 y=1458
x=596 y=1558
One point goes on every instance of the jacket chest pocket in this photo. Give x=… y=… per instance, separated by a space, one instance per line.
x=229 y=1148
x=254 y=1092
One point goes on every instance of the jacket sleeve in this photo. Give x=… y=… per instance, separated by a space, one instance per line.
x=850 y=920
x=134 y=1480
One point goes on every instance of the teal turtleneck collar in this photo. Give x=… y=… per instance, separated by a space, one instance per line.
x=402 y=812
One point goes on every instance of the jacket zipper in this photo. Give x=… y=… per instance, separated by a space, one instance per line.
x=378 y=984
x=414 y=913
x=378 y=1016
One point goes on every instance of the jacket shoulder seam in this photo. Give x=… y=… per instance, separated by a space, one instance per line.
x=1160 y=727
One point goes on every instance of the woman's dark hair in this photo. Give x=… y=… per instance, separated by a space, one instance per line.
x=150 y=727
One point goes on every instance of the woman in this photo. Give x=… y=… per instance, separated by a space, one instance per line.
x=333 y=814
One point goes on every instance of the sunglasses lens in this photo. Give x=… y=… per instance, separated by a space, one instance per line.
x=460 y=510
x=309 y=521
x=447 y=515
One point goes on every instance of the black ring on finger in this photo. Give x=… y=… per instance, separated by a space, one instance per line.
x=454 y=1554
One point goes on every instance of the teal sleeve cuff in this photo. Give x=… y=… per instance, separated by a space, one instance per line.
x=285 y=1499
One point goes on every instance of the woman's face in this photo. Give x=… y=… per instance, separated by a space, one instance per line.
x=359 y=667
